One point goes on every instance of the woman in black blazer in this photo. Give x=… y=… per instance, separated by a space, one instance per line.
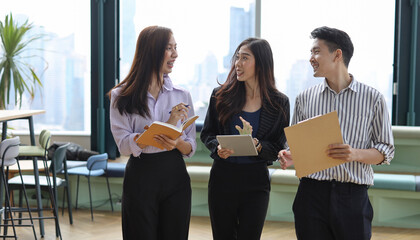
x=247 y=103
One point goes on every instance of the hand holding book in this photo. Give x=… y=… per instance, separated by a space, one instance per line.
x=162 y=128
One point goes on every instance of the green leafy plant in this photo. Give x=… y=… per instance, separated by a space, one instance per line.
x=15 y=72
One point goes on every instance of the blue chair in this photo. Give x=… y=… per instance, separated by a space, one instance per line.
x=96 y=166
x=9 y=150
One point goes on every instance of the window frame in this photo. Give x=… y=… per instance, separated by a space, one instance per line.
x=110 y=22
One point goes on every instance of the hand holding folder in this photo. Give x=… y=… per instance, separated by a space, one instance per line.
x=309 y=141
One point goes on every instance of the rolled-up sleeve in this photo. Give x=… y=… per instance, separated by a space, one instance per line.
x=383 y=140
x=189 y=135
x=121 y=130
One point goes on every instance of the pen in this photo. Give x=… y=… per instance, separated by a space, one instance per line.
x=184 y=105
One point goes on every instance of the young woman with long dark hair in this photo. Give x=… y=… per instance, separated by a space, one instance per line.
x=156 y=201
x=247 y=103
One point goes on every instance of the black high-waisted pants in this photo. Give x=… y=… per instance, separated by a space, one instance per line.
x=238 y=200
x=156 y=201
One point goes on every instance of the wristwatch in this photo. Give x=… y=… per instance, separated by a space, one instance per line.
x=258 y=146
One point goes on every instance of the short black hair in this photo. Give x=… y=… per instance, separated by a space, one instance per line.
x=335 y=39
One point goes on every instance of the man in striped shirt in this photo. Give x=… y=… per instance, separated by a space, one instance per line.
x=334 y=203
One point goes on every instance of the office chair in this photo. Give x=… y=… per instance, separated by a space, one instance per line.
x=96 y=166
x=35 y=152
x=9 y=150
x=58 y=165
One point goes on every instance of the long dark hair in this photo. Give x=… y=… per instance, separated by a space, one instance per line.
x=231 y=97
x=147 y=62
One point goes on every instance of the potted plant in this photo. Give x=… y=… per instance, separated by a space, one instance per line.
x=15 y=73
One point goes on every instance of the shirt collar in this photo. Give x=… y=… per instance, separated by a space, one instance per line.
x=354 y=85
x=167 y=83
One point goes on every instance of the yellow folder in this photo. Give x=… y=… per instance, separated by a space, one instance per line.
x=308 y=141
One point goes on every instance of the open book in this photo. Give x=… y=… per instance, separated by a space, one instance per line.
x=157 y=127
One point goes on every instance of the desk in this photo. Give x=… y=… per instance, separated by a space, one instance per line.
x=10 y=115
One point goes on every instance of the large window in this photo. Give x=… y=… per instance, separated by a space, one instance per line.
x=207 y=34
x=63 y=63
x=287 y=26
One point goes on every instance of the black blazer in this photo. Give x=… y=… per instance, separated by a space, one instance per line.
x=270 y=131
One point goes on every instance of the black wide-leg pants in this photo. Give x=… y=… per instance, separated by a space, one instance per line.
x=331 y=210
x=238 y=200
x=156 y=201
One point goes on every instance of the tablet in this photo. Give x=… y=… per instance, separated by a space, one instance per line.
x=242 y=145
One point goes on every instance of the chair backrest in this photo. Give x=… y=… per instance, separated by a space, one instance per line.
x=96 y=162
x=44 y=138
x=9 y=148
x=58 y=159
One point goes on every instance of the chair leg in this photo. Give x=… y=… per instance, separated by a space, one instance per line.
x=77 y=191
x=55 y=213
x=1 y=202
x=7 y=209
x=20 y=202
x=53 y=198
x=62 y=203
x=27 y=201
x=109 y=192
x=90 y=198
x=5 y=175
x=69 y=204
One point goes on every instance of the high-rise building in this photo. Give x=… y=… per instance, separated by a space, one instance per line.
x=242 y=26
x=128 y=36
x=62 y=73
x=300 y=78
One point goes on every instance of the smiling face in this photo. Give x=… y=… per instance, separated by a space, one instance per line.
x=170 y=55
x=245 y=65
x=322 y=60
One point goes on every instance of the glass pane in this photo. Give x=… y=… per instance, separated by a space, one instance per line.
x=62 y=62
x=207 y=34
x=370 y=24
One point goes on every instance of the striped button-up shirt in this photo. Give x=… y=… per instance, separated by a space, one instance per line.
x=364 y=122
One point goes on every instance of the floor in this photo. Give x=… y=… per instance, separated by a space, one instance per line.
x=107 y=225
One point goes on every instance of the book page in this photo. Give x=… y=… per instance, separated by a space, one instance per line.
x=309 y=140
x=168 y=125
x=188 y=122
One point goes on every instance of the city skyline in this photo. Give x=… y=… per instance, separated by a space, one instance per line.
x=204 y=52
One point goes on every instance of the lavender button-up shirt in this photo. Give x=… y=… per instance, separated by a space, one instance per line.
x=125 y=126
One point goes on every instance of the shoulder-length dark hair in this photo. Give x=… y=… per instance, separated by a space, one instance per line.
x=231 y=97
x=147 y=62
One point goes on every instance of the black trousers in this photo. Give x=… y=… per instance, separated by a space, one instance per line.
x=156 y=201
x=328 y=210
x=238 y=200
